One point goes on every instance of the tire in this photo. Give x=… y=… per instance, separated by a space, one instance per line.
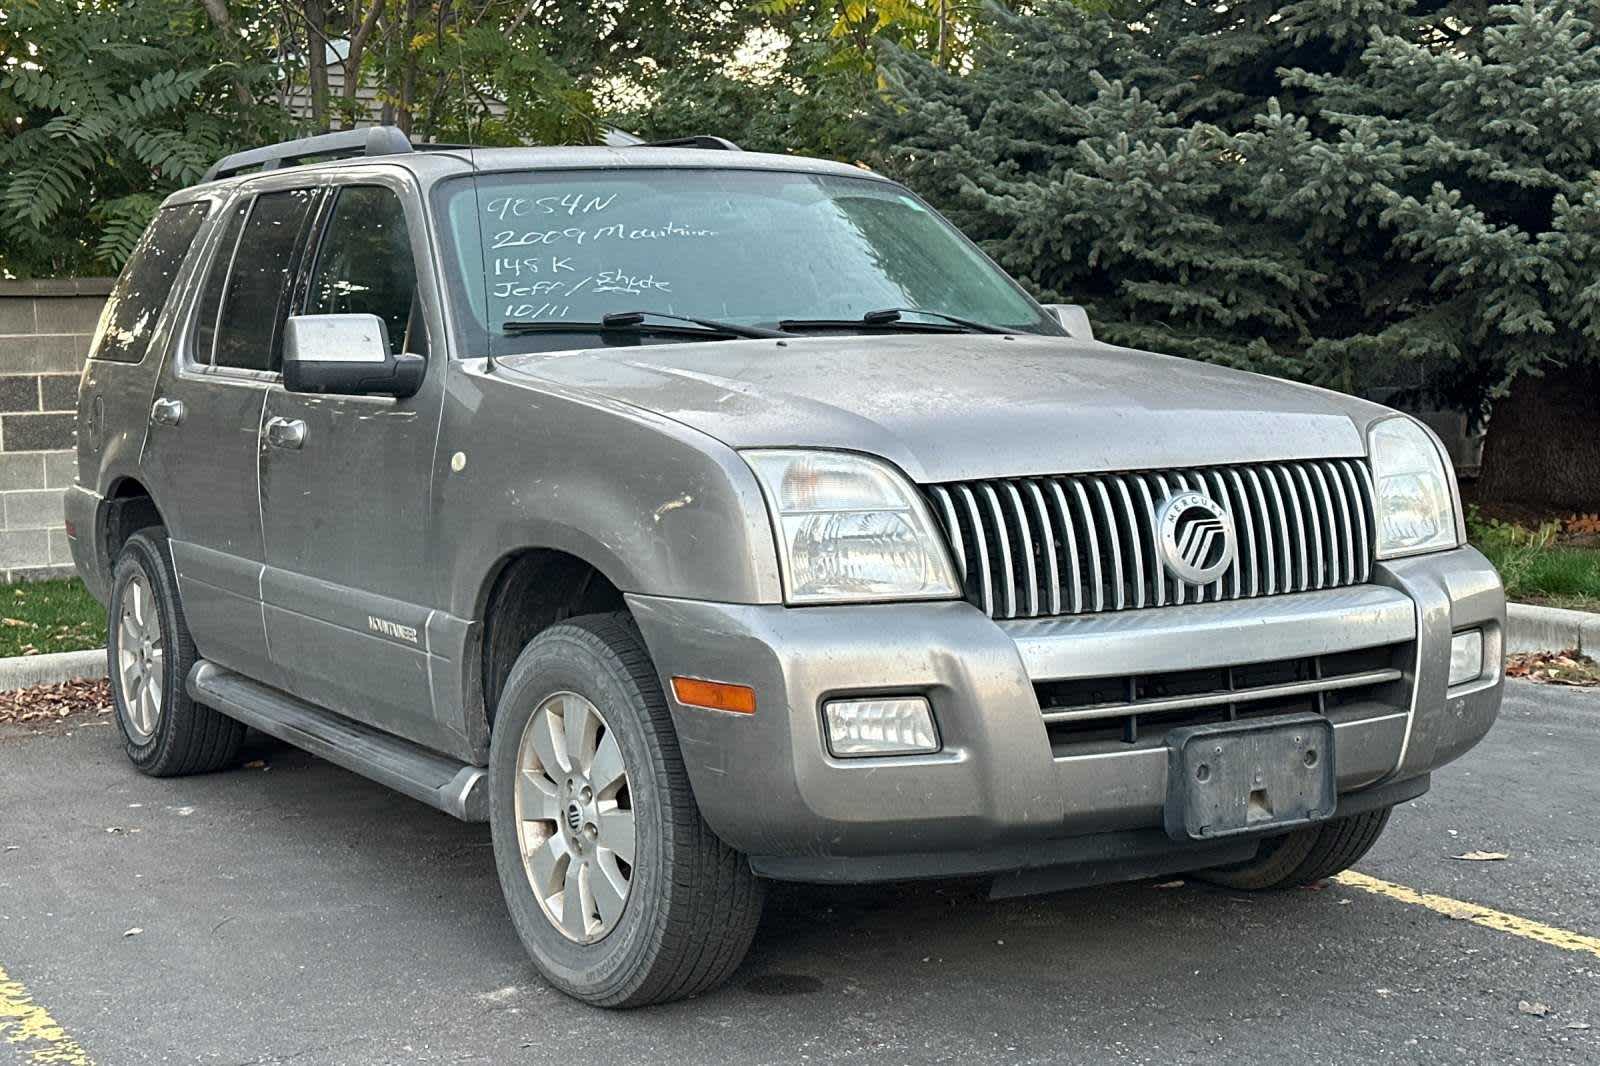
x=170 y=734
x=691 y=905
x=1304 y=856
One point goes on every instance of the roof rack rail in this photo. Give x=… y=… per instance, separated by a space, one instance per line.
x=700 y=140
x=375 y=140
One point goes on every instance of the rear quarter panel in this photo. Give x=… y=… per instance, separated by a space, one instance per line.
x=114 y=397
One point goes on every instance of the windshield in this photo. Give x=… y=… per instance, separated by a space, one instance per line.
x=752 y=247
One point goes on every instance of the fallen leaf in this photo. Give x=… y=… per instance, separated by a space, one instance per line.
x=1583 y=524
x=256 y=764
x=1536 y=1009
x=135 y=931
x=51 y=703
x=1482 y=856
x=1569 y=667
x=1169 y=884
x=1581 y=1027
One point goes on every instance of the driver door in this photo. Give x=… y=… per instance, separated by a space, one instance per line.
x=346 y=485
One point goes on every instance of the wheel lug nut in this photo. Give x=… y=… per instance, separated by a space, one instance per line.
x=590 y=832
x=586 y=794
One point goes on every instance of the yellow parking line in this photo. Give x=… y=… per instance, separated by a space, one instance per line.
x=1526 y=928
x=24 y=1022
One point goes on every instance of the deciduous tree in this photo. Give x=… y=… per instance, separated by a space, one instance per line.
x=104 y=107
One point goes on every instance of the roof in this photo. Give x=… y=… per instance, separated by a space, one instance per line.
x=489 y=160
x=387 y=146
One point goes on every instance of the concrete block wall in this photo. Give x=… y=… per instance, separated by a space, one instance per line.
x=45 y=327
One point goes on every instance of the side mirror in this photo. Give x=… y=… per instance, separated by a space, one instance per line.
x=1074 y=319
x=347 y=355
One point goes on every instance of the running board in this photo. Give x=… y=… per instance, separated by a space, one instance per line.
x=439 y=781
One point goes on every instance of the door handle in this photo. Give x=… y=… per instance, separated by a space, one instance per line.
x=286 y=432
x=166 y=411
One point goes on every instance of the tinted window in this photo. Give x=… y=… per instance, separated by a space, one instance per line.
x=205 y=333
x=365 y=267
x=255 y=299
x=141 y=291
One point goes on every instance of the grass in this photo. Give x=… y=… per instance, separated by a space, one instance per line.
x=1537 y=567
x=40 y=617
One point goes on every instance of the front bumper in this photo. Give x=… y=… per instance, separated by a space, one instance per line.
x=1007 y=792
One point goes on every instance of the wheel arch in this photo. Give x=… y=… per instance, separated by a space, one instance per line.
x=528 y=590
x=128 y=507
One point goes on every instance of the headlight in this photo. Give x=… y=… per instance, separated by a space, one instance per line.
x=850 y=529
x=1415 y=513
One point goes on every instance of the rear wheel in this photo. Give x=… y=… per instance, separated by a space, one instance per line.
x=620 y=892
x=1305 y=855
x=149 y=654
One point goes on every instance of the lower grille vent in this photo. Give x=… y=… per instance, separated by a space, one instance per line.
x=1134 y=707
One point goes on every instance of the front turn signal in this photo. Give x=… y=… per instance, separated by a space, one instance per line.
x=714 y=695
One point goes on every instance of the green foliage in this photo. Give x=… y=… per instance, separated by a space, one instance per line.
x=942 y=30
x=594 y=40
x=826 y=79
x=810 y=106
x=1345 y=192
x=1534 y=565
x=106 y=107
x=470 y=64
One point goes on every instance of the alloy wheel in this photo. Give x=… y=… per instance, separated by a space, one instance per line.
x=574 y=817
x=141 y=658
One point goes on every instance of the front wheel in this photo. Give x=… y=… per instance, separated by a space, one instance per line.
x=1304 y=856
x=620 y=892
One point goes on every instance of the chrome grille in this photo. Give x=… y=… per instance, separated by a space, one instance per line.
x=1083 y=543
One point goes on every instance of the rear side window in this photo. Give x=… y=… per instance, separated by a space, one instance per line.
x=142 y=289
x=364 y=266
x=205 y=336
x=247 y=293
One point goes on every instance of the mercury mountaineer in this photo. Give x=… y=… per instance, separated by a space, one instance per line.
x=700 y=518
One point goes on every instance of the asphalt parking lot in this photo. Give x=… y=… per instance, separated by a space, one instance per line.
x=291 y=912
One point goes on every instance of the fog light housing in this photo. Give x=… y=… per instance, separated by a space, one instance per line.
x=888 y=725
x=1466 y=657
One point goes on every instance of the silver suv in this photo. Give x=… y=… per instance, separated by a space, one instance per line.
x=699 y=518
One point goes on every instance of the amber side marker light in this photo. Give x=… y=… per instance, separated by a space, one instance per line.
x=715 y=695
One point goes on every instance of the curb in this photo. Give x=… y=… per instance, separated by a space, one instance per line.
x=1530 y=627
x=23 y=671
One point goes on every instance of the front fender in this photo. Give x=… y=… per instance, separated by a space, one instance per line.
x=658 y=508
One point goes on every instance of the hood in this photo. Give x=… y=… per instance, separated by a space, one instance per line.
x=949 y=407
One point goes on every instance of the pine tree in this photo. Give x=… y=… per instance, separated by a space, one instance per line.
x=1483 y=264
x=1357 y=193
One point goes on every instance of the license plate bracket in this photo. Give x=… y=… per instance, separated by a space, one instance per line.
x=1234 y=778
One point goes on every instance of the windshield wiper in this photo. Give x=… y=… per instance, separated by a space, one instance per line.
x=634 y=322
x=622 y=318
x=890 y=318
